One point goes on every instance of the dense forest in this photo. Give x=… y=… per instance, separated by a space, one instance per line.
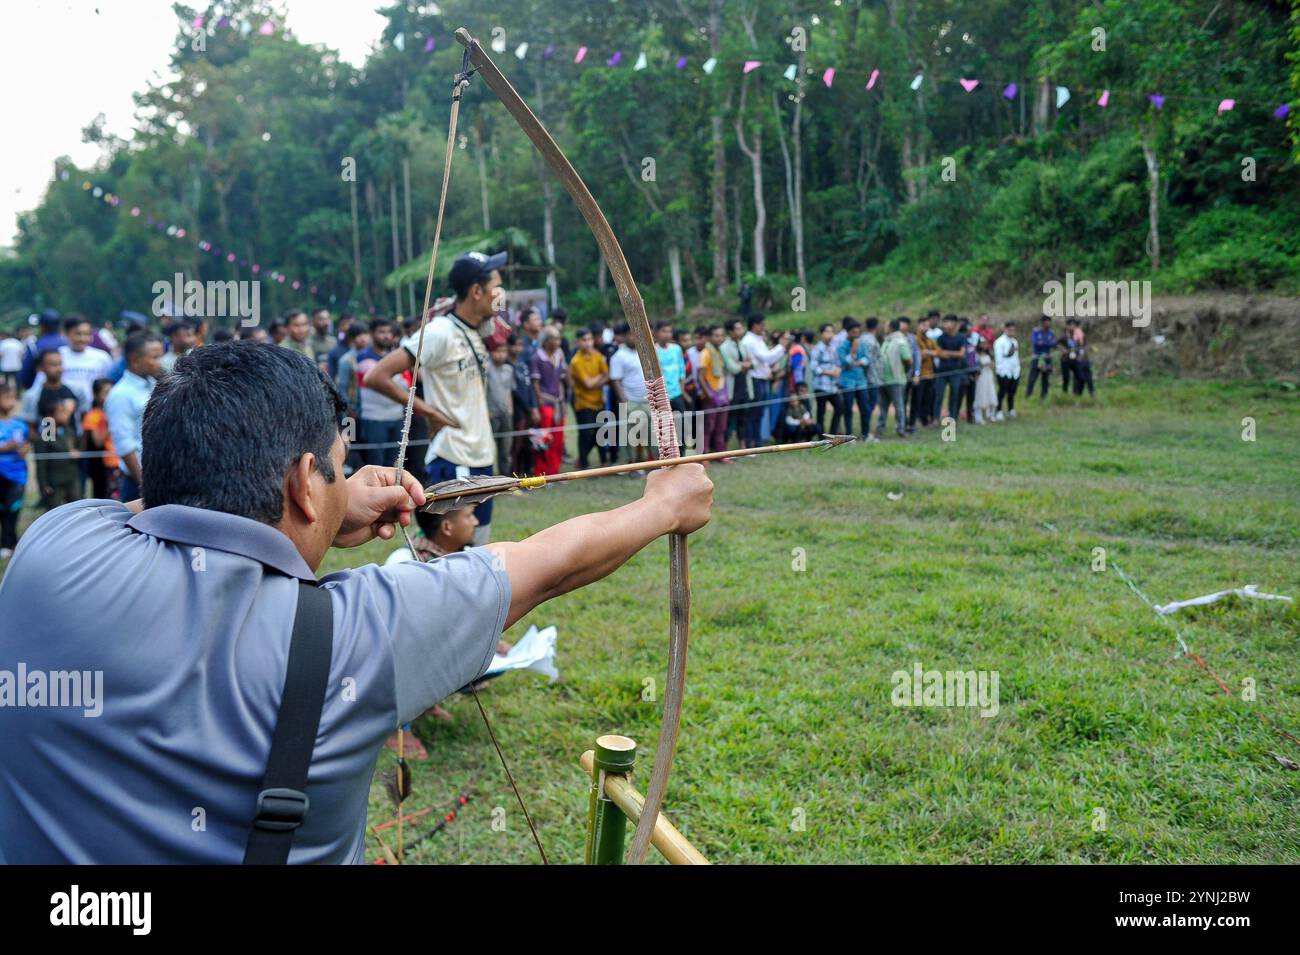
x=991 y=143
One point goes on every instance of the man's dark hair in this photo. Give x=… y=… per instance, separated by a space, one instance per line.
x=950 y=317
x=583 y=332
x=895 y=324
x=45 y=353
x=933 y=313
x=430 y=524
x=825 y=326
x=136 y=342
x=844 y=322
x=379 y=323
x=229 y=422
x=222 y=335
x=355 y=331
x=291 y=314
x=179 y=325
x=701 y=329
x=663 y=323
x=872 y=323
x=1046 y=318
x=246 y=332
x=622 y=328
x=559 y=315
x=316 y=311
x=851 y=323
x=755 y=320
x=733 y=323
x=72 y=321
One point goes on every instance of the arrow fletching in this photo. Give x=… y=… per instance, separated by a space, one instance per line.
x=467 y=492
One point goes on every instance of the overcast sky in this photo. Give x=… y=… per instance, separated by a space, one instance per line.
x=62 y=63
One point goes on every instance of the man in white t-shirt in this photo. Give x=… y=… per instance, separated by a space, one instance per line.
x=628 y=382
x=12 y=352
x=454 y=368
x=82 y=365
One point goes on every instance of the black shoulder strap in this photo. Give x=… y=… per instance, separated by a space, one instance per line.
x=282 y=804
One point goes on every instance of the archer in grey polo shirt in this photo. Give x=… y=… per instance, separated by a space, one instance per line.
x=187 y=614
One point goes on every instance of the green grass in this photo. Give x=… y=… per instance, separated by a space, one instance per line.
x=983 y=564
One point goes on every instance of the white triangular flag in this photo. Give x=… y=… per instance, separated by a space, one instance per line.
x=790 y=71
x=1062 y=96
x=399 y=42
x=521 y=51
x=640 y=61
x=499 y=42
x=709 y=64
x=916 y=83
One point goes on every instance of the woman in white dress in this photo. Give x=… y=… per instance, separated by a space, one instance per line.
x=986 y=396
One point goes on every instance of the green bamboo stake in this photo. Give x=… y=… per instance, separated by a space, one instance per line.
x=606 y=824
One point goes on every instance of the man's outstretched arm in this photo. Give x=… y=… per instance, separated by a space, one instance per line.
x=584 y=549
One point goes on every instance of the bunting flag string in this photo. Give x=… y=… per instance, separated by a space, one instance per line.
x=170 y=229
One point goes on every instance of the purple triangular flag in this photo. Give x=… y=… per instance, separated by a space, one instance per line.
x=681 y=63
x=1281 y=111
x=429 y=45
x=550 y=48
x=1010 y=91
x=1157 y=100
x=613 y=60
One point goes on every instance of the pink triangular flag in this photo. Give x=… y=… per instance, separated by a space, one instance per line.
x=829 y=76
x=1226 y=105
x=969 y=85
x=267 y=28
x=582 y=52
x=875 y=75
x=751 y=65
x=1105 y=98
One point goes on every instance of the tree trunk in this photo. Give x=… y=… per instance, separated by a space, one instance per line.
x=796 y=204
x=1042 y=106
x=376 y=247
x=755 y=154
x=397 y=251
x=719 y=164
x=1153 y=197
x=356 y=243
x=675 y=275
x=482 y=173
x=410 y=245
x=548 y=207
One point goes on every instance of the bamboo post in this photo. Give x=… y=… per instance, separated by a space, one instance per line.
x=618 y=790
x=606 y=824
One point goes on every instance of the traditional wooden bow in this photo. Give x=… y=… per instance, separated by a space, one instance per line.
x=661 y=412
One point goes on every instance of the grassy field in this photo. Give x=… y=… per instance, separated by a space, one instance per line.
x=790 y=749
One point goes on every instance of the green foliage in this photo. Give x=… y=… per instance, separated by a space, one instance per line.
x=246 y=145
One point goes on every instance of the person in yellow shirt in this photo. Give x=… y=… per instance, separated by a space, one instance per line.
x=713 y=391
x=589 y=373
x=929 y=348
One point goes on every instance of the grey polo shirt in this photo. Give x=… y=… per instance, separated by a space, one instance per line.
x=185 y=616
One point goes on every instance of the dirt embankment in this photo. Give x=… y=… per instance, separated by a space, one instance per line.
x=1203 y=335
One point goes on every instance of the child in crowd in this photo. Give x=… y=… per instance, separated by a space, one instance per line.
x=13 y=469
x=56 y=434
x=799 y=422
x=96 y=438
x=986 y=396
